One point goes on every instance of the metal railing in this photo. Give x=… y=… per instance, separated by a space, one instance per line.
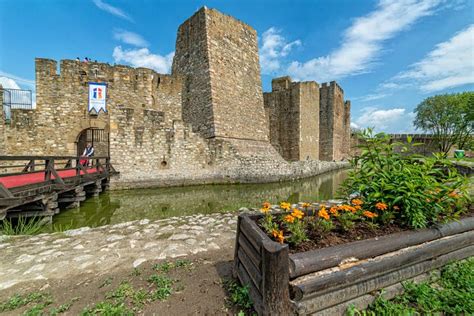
x=16 y=99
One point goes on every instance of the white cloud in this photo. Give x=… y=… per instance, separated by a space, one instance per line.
x=371 y=97
x=274 y=48
x=363 y=41
x=8 y=83
x=144 y=58
x=449 y=65
x=130 y=38
x=354 y=126
x=18 y=80
x=396 y=120
x=112 y=10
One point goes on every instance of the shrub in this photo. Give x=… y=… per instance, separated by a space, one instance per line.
x=416 y=191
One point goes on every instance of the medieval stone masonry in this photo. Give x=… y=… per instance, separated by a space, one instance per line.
x=206 y=122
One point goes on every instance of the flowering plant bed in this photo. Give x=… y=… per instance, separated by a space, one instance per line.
x=404 y=217
x=330 y=279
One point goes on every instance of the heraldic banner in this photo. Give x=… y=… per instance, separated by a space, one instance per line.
x=97 y=97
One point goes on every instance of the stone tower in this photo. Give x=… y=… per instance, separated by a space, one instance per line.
x=293 y=112
x=222 y=95
x=334 y=123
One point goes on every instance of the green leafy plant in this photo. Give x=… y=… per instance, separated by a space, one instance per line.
x=414 y=191
x=163 y=286
x=296 y=226
x=450 y=294
x=238 y=295
x=18 y=300
x=108 y=308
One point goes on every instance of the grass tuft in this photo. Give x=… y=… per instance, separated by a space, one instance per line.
x=23 y=226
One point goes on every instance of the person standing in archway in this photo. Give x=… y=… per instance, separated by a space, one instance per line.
x=88 y=153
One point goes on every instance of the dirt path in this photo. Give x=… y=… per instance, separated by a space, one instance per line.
x=167 y=267
x=197 y=288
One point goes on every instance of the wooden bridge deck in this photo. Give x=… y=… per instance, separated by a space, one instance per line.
x=40 y=186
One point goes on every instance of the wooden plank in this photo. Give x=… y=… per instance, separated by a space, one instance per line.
x=236 y=248
x=11 y=201
x=315 y=260
x=254 y=292
x=320 y=259
x=275 y=272
x=250 y=251
x=4 y=192
x=253 y=233
x=337 y=302
x=456 y=227
x=251 y=269
x=307 y=285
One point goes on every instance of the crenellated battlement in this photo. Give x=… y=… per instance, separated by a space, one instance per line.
x=333 y=85
x=74 y=70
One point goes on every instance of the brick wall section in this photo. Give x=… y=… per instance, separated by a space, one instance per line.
x=293 y=112
x=220 y=56
x=332 y=129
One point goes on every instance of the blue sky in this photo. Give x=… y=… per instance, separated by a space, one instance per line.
x=387 y=55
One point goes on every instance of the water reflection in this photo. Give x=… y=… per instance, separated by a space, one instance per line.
x=121 y=206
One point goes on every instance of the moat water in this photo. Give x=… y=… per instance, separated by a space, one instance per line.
x=121 y=206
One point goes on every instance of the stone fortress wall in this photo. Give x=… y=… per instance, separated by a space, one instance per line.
x=207 y=122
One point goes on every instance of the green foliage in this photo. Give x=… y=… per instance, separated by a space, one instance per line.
x=450 y=117
x=163 y=286
x=450 y=294
x=238 y=295
x=18 y=300
x=416 y=191
x=23 y=226
x=347 y=220
x=268 y=224
x=298 y=231
x=168 y=266
x=62 y=308
x=107 y=308
x=321 y=226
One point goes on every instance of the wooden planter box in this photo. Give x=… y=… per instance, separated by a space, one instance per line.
x=327 y=281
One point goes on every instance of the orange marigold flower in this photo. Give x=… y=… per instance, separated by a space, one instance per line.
x=381 y=206
x=306 y=205
x=266 y=205
x=357 y=202
x=347 y=208
x=264 y=210
x=285 y=206
x=369 y=214
x=333 y=211
x=278 y=235
x=289 y=219
x=358 y=207
x=453 y=194
x=323 y=213
x=297 y=213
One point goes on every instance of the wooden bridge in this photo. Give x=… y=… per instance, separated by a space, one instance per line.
x=39 y=186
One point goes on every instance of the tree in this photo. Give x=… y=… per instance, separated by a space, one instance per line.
x=449 y=117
